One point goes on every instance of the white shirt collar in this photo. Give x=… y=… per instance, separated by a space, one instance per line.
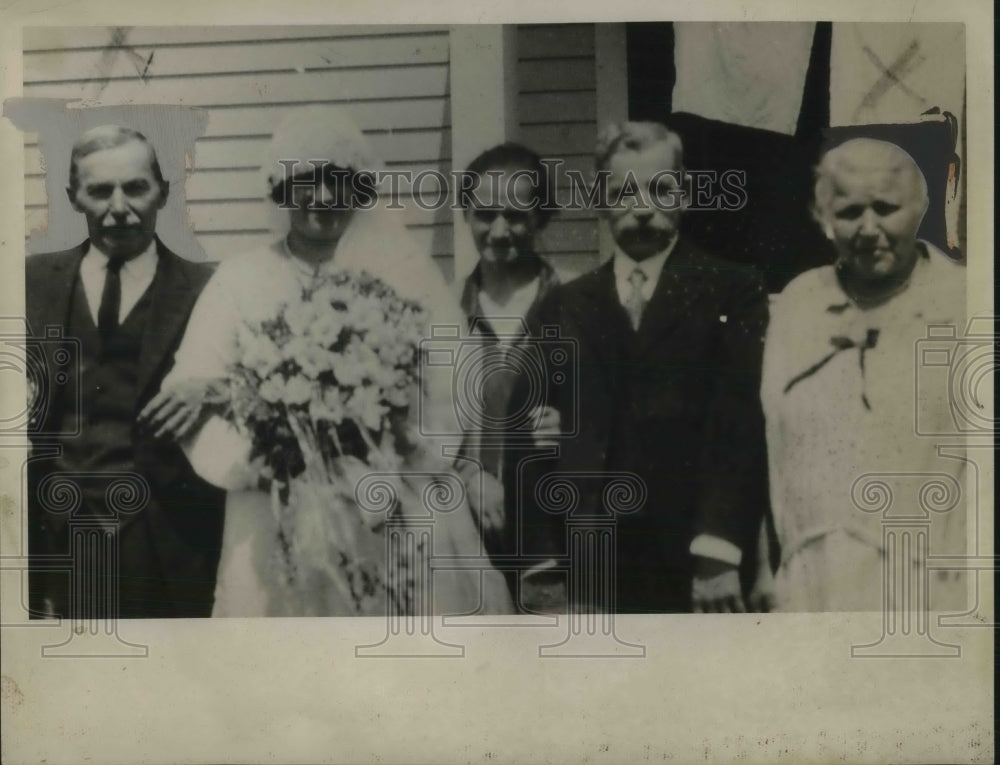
x=136 y=276
x=652 y=267
x=518 y=303
x=506 y=319
x=139 y=268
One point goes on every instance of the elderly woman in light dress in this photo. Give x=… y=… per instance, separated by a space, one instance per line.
x=838 y=387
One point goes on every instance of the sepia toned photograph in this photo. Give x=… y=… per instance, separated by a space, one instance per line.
x=568 y=338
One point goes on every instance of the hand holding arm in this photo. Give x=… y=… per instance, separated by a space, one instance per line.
x=180 y=407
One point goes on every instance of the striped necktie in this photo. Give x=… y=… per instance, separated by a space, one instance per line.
x=636 y=303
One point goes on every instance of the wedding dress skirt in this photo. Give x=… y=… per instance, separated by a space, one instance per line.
x=266 y=571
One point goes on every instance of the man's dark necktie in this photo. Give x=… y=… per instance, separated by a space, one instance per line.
x=111 y=298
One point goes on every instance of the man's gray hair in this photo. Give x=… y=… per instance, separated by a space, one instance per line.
x=636 y=136
x=110 y=137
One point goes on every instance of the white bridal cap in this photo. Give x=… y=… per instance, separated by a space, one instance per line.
x=317 y=132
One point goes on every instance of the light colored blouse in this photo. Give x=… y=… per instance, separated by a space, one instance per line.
x=839 y=395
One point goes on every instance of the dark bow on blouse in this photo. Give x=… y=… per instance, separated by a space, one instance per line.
x=840 y=343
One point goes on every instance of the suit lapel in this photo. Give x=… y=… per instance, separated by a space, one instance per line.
x=47 y=305
x=169 y=308
x=470 y=295
x=52 y=308
x=547 y=281
x=601 y=315
x=671 y=300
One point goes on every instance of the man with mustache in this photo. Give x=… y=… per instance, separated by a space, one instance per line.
x=667 y=378
x=124 y=299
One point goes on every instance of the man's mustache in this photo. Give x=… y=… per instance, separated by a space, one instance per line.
x=643 y=225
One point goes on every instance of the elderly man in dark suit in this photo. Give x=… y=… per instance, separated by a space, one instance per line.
x=123 y=300
x=669 y=344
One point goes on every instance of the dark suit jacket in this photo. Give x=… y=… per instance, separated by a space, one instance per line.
x=676 y=403
x=169 y=551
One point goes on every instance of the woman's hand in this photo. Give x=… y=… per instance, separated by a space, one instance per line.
x=174 y=412
x=486 y=502
x=485 y=494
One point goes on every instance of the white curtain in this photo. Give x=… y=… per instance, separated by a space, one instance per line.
x=750 y=74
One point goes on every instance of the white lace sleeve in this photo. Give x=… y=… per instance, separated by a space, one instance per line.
x=209 y=343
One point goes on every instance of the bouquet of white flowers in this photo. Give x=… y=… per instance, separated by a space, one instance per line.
x=322 y=388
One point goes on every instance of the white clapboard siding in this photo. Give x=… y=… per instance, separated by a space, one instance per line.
x=561 y=139
x=557 y=115
x=393 y=80
x=396 y=114
x=416 y=148
x=547 y=75
x=41 y=39
x=547 y=108
x=255 y=88
x=150 y=62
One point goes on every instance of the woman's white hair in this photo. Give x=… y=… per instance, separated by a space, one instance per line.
x=844 y=158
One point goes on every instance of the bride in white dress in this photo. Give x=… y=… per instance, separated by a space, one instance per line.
x=251 y=286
